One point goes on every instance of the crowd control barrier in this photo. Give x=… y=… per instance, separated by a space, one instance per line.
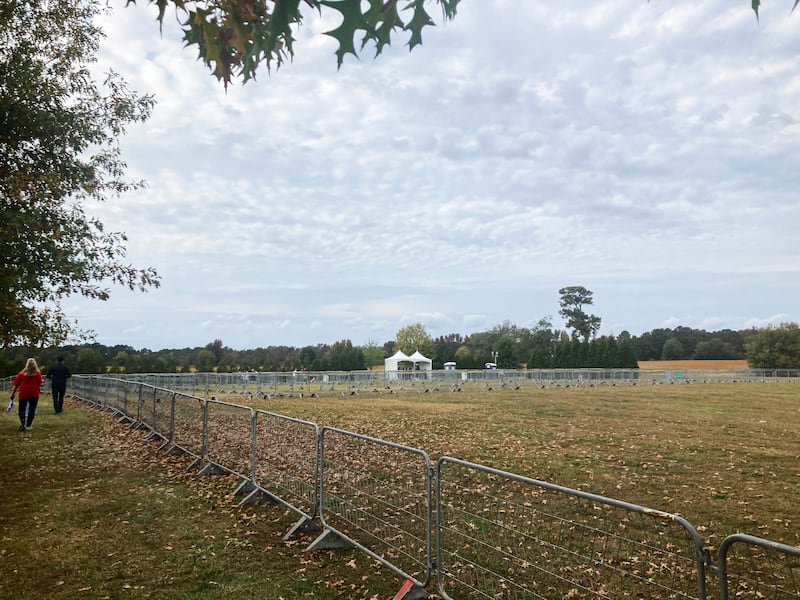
x=754 y=568
x=286 y=466
x=495 y=535
x=503 y=535
x=376 y=495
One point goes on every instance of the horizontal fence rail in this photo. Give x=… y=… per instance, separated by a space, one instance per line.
x=495 y=534
x=506 y=536
x=752 y=567
x=229 y=438
x=377 y=495
x=287 y=462
x=188 y=422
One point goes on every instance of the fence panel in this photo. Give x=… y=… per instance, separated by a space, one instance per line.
x=377 y=495
x=120 y=399
x=187 y=424
x=752 y=567
x=504 y=536
x=157 y=405
x=88 y=390
x=286 y=461
x=230 y=437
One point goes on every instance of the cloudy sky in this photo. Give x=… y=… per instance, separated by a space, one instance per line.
x=645 y=150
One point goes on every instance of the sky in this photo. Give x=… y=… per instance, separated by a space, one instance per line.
x=647 y=151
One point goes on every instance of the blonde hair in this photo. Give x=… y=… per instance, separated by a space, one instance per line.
x=31 y=368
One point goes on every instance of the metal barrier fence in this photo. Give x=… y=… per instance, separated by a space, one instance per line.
x=502 y=535
x=752 y=567
x=229 y=438
x=187 y=429
x=264 y=383
x=376 y=495
x=286 y=465
x=496 y=534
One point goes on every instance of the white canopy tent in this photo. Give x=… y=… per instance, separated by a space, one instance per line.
x=400 y=361
x=393 y=362
x=420 y=362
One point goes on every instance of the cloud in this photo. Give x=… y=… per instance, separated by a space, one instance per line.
x=644 y=150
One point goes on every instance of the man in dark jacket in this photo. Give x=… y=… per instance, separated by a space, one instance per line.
x=58 y=375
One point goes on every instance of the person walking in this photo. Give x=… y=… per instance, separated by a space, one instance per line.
x=58 y=375
x=29 y=382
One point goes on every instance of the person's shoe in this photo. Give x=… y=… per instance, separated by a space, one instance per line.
x=28 y=427
x=22 y=427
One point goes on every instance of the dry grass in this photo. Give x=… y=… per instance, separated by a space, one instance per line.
x=93 y=511
x=89 y=509
x=724 y=456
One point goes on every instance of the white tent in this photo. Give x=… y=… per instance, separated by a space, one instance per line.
x=420 y=362
x=401 y=362
x=393 y=362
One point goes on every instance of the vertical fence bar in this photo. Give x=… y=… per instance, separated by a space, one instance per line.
x=187 y=424
x=760 y=569
x=228 y=437
x=377 y=495
x=286 y=461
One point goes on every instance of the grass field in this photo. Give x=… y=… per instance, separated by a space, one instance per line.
x=88 y=509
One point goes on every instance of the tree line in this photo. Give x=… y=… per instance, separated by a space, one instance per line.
x=507 y=345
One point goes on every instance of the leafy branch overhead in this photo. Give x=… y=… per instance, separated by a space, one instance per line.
x=757 y=5
x=234 y=37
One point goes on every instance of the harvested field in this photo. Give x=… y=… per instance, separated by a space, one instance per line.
x=712 y=365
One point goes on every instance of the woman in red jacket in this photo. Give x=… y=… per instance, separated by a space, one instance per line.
x=29 y=382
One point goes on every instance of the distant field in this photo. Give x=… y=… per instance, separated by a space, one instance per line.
x=718 y=365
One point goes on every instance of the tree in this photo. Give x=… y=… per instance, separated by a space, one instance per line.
x=89 y=360
x=216 y=348
x=59 y=148
x=573 y=298
x=774 y=347
x=234 y=37
x=344 y=357
x=757 y=5
x=411 y=338
x=672 y=350
x=715 y=349
x=205 y=361
x=373 y=354
x=463 y=357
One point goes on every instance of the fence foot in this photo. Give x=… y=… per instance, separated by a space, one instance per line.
x=196 y=464
x=304 y=525
x=258 y=495
x=329 y=540
x=153 y=436
x=171 y=449
x=411 y=590
x=246 y=487
x=212 y=469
